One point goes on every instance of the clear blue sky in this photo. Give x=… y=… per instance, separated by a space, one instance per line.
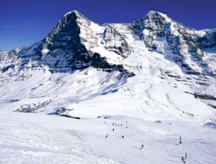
x=23 y=22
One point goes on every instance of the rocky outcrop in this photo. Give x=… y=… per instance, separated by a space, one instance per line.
x=115 y=42
x=208 y=39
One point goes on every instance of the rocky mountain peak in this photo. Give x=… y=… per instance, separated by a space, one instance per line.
x=75 y=14
x=153 y=20
x=68 y=24
x=156 y=17
x=164 y=35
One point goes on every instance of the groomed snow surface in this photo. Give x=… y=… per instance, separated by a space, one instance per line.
x=48 y=139
x=141 y=111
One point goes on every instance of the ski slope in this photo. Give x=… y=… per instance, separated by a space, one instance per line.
x=39 y=139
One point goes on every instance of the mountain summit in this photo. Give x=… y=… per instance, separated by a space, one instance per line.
x=153 y=68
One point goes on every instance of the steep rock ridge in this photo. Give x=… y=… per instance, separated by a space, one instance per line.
x=160 y=33
x=206 y=39
x=63 y=47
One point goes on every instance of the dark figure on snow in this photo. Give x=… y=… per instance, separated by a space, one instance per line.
x=180 y=140
x=122 y=137
x=113 y=129
x=183 y=160
x=185 y=155
x=142 y=146
x=107 y=135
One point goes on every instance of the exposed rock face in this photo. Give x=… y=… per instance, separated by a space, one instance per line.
x=208 y=39
x=151 y=25
x=115 y=42
x=63 y=47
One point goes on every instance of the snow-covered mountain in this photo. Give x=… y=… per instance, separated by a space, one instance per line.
x=153 y=68
x=138 y=92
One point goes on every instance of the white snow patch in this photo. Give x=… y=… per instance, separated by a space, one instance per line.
x=45 y=52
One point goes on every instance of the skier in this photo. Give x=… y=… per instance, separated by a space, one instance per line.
x=183 y=160
x=113 y=129
x=180 y=140
x=142 y=146
x=107 y=135
x=185 y=155
x=122 y=137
